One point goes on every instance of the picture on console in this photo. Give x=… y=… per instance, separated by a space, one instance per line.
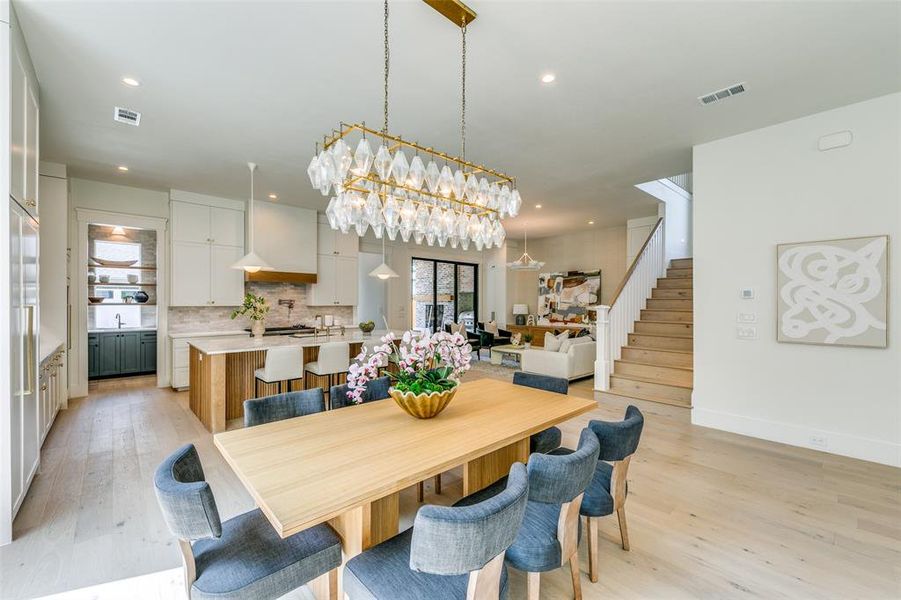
x=568 y=297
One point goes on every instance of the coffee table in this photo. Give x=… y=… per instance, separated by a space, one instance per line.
x=498 y=353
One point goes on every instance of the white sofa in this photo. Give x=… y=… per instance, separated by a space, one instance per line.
x=576 y=362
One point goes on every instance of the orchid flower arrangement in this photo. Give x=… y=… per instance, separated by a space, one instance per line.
x=425 y=364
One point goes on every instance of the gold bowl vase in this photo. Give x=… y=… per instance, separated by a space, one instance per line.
x=423 y=406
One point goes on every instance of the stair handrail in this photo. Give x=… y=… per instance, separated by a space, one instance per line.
x=615 y=321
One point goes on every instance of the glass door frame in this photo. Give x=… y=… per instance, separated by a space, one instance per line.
x=456 y=263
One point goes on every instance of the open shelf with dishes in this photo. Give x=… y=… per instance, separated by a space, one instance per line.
x=120 y=268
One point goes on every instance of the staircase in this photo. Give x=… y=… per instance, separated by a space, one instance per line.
x=656 y=364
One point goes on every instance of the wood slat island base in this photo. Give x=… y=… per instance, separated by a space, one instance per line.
x=222 y=380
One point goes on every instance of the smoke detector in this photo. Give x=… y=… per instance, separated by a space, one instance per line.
x=127 y=116
x=726 y=92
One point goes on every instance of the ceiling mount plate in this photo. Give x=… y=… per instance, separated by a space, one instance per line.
x=455 y=11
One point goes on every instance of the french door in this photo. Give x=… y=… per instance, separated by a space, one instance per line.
x=444 y=292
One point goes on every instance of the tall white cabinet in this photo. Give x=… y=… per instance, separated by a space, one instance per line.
x=207 y=237
x=336 y=268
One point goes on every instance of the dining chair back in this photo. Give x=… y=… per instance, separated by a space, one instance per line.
x=185 y=498
x=376 y=389
x=550 y=438
x=283 y=406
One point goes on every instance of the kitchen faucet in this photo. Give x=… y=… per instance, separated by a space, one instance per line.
x=119 y=320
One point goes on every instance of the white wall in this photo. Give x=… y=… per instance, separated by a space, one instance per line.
x=675 y=208
x=769 y=186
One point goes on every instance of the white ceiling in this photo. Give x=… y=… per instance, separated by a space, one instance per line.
x=228 y=82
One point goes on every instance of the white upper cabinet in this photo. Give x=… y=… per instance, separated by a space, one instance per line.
x=285 y=237
x=337 y=243
x=24 y=121
x=207 y=238
x=346 y=288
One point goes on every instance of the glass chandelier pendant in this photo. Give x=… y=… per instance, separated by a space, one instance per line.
x=381 y=182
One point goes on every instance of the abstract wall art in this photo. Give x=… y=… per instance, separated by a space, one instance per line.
x=568 y=297
x=833 y=292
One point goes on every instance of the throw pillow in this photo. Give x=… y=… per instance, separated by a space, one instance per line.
x=551 y=343
x=491 y=327
x=458 y=328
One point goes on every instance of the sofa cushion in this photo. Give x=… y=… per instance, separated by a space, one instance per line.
x=570 y=342
x=553 y=342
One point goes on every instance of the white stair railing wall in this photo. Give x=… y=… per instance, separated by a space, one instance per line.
x=616 y=321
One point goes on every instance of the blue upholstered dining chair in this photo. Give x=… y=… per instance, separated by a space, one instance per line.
x=377 y=389
x=547 y=440
x=283 y=406
x=607 y=491
x=450 y=552
x=242 y=557
x=549 y=536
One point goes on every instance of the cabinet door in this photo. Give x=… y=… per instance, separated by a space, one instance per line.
x=226 y=227
x=148 y=353
x=130 y=352
x=190 y=274
x=226 y=284
x=18 y=85
x=190 y=222
x=32 y=120
x=323 y=291
x=108 y=353
x=325 y=239
x=93 y=356
x=346 y=282
x=347 y=244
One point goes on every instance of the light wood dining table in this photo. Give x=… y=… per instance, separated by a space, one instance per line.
x=346 y=466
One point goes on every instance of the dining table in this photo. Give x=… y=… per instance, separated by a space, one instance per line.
x=346 y=467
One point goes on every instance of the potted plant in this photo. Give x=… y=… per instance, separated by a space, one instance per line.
x=254 y=307
x=428 y=370
x=366 y=327
x=527 y=340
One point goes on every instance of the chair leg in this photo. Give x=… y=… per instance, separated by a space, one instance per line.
x=533 y=585
x=438 y=484
x=623 y=530
x=593 y=523
x=420 y=492
x=577 y=579
x=325 y=587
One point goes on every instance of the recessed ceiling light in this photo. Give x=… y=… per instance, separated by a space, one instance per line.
x=273 y=196
x=591 y=222
x=131 y=81
x=548 y=78
x=122 y=168
x=537 y=206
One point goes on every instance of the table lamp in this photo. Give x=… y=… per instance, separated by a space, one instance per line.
x=520 y=311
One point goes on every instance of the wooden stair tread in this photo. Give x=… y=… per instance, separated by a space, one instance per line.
x=657 y=349
x=685 y=310
x=647 y=398
x=647 y=364
x=665 y=322
x=652 y=381
x=666 y=335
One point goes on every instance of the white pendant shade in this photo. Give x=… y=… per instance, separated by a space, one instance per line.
x=251 y=262
x=383 y=271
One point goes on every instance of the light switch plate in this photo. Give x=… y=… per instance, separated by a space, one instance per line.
x=746 y=332
x=746 y=318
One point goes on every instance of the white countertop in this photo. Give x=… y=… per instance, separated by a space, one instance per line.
x=221 y=345
x=121 y=329
x=47 y=345
x=199 y=334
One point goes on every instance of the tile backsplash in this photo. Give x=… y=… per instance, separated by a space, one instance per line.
x=218 y=318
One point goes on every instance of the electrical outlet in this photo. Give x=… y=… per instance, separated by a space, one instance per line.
x=747 y=317
x=746 y=333
x=819 y=441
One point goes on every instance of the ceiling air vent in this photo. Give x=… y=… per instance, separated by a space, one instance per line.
x=722 y=94
x=127 y=116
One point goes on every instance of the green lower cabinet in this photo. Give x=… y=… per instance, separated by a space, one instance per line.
x=121 y=353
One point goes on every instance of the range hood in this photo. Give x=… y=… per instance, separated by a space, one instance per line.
x=281 y=277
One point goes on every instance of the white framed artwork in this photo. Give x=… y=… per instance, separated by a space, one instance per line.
x=833 y=292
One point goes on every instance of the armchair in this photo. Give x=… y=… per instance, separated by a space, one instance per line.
x=474 y=339
x=488 y=338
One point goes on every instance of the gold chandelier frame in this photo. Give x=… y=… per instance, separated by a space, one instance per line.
x=394 y=142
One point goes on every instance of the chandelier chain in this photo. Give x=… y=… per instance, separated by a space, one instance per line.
x=463 y=88
x=387 y=60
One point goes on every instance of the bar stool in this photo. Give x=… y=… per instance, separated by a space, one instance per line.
x=333 y=360
x=282 y=365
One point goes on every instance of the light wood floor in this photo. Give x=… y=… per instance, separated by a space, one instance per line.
x=711 y=514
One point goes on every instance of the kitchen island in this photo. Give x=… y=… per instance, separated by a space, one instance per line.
x=222 y=370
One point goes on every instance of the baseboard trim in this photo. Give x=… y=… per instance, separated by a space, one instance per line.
x=842 y=444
